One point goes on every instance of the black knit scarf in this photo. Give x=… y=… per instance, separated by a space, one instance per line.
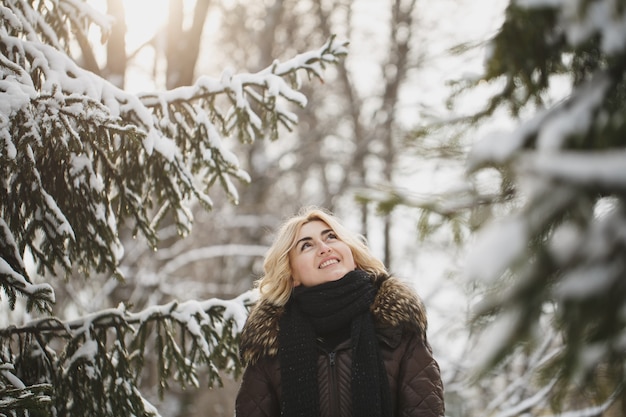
x=324 y=309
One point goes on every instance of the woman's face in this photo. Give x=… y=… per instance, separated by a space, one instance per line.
x=319 y=256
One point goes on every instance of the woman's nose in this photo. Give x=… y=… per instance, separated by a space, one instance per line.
x=324 y=248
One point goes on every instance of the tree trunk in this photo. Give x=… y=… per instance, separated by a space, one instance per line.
x=116 y=46
x=183 y=46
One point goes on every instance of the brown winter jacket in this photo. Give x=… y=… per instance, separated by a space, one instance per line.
x=400 y=319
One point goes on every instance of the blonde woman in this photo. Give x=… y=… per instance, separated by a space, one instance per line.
x=333 y=334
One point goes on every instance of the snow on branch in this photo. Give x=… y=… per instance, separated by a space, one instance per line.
x=111 y=347
x=604 y=18
x=195 y=255
x=263 y=89
x=13 y=277
x=602 y=170
x=79 y=155
x=599 y=410
x=17 y=397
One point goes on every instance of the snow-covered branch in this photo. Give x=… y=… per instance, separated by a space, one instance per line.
x=112 y=345
x=79 y=155
x=557 y=253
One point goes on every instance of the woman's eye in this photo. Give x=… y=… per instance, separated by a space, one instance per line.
x=332 y=236
x=305 y=245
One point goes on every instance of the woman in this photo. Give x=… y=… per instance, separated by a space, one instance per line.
x=333 y=334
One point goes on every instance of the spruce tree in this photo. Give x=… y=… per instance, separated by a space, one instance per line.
x=562 y=169
x=547 y=261
x=551 y=263
x=79 y=157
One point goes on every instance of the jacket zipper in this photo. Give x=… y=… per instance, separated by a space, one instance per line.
x=334 y=400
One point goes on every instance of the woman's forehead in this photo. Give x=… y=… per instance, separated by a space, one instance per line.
x=314 y=226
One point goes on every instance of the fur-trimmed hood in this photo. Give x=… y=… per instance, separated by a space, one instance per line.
x=396 y=305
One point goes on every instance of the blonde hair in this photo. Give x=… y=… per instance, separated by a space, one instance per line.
x=276 y=284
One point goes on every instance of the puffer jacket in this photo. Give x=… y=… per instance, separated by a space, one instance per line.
x=400 y=319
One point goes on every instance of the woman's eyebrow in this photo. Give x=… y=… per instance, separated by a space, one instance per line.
x=307 y=238
x=304 y=239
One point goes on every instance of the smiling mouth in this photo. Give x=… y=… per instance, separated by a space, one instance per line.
x=328 y=262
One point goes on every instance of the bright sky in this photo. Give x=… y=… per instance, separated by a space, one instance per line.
x=462 y=20
x=143 y=18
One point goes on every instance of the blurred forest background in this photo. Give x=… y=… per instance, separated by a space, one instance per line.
x=357 y=141
x=357 y=135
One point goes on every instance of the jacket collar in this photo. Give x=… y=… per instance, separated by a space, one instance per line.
x=396 y=309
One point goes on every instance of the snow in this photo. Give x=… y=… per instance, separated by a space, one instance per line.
x=195 y=316
x=163 y=145
x=15 y=94
x=552 y=127
x=587 y=282
x=234 y=309
x=56 y=216
x=575 y=116
x=9 y=18
x=81 y=163
x=65 y=96
x=564 y=242
x=600 y=168
x=556 y=178
x=87 y=351
x=9 y=241
x=528 y=403
x=603 y=17
x=150 y=408
x=194 y=255
x=85 y=11
x=498 y=245
x=310 y=61
x=495 y=336
x=495 y=147
x=7 y=369
x=185 y=312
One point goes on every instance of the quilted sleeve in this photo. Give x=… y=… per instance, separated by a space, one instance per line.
x=420 y=387
x=258 y=393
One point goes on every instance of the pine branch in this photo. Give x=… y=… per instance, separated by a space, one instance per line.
x=97 y=361
x=83 y=155
x=26 y=401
